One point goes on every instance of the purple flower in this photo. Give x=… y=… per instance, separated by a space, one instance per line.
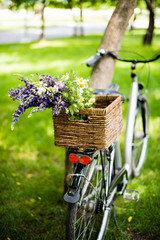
x=32 y=96
x=61 y=86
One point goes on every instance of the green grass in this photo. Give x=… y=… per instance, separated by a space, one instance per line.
x=32 y=168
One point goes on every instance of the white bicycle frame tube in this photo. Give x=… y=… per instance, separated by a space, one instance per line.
x=118 y=159
x=130 y=125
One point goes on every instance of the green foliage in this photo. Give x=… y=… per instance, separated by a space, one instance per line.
x=14 y=4
x=68 y=93
x=77 y=93
x=32 y=168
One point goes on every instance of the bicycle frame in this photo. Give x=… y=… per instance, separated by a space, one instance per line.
x=130 y=121
x=136 y=98
x=114 y=177
x=79 y=174
x=132 y=108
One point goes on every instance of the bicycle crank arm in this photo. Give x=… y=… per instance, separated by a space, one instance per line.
x=120 y=181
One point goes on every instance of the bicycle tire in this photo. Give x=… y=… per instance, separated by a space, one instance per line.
x=140 y=135
x=88 y=219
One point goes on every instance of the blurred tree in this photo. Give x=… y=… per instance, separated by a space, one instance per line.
x=78 y=20
x=149 y=34
x=15 y=4
x=27 y=4
x=81 y=17
x=79 y=3
x=42 y=19
x=103 y=70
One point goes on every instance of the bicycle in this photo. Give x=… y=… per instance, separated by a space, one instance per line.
x=99 y=177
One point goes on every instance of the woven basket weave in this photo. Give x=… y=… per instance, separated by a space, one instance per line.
x=99 y=131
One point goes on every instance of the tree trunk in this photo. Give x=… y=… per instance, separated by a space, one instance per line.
x=68 y=170
x=78 y=28
x=149 y=34
x=103 y=70
x=42 y=19
x=111 y=41
x=26 y=21
x=81 y=18
x=70 y=2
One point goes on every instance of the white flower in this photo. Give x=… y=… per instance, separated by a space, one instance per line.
x=77 y=81
x=81 y=80
x=81 y=100
x=80 y=91
x=92 y=100
x=82 y=85
x=65 y=77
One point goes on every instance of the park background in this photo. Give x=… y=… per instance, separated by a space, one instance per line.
x=32 y=168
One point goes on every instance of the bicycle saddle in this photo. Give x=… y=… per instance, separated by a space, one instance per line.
x=110 y=90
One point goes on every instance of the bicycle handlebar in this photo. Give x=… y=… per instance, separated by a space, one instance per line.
x=92 y=60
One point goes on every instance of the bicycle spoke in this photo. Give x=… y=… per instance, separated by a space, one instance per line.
x=137 y=144
x=89 y=212
x=84 y=226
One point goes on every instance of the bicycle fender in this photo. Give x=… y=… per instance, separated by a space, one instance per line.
x=73 y=193
x=69 y=198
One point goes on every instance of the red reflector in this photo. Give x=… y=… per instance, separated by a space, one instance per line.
x=73 y=158
x=85 y=160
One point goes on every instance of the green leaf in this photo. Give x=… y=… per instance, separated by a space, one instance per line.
x=71 y=109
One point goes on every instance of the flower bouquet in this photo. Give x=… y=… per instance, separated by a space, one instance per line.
x=80 y=120
x=68 y=93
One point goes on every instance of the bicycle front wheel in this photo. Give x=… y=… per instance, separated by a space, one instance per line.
x=88 y=219
x=140 y=135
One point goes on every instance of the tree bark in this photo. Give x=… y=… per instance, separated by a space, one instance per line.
x=68 y=170
x=149 y=34
x=103 y=70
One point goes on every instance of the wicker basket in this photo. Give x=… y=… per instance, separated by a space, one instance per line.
x=99 y=131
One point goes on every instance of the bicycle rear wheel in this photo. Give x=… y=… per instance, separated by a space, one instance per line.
x=89 y=218
x=140 y=135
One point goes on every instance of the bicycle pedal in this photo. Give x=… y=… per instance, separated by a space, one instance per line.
x=131 y=195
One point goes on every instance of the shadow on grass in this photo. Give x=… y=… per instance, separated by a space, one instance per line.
x=32 y=169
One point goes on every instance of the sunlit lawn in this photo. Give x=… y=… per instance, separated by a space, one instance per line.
x=32 y=168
